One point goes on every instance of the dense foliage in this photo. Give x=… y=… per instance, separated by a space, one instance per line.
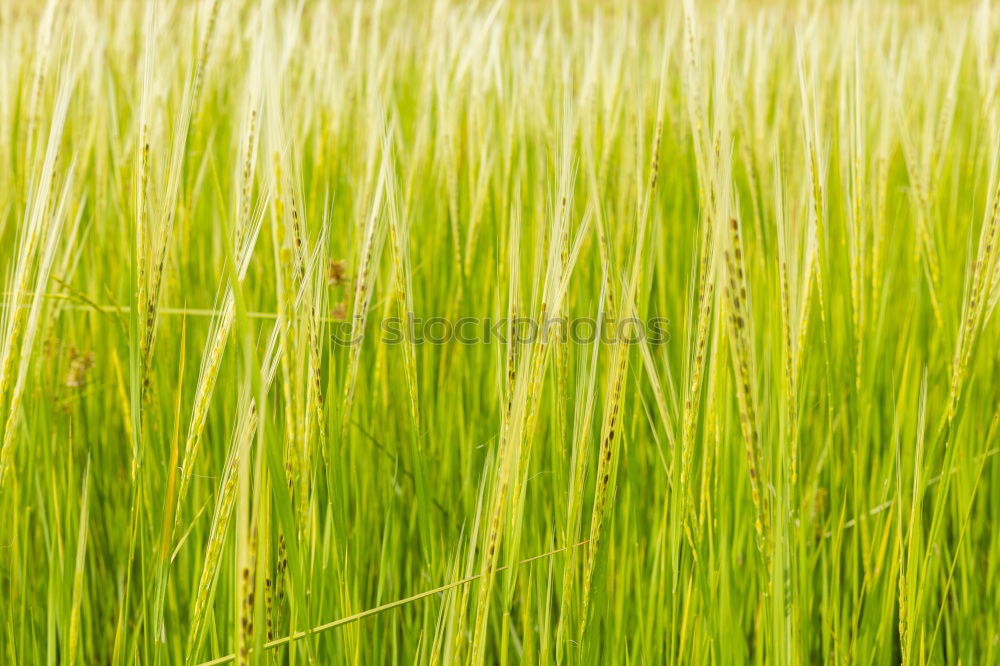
x=211 y=211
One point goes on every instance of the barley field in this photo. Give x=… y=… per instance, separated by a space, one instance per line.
x=502 y=332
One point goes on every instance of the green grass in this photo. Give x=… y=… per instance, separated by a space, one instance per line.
x=200 y=200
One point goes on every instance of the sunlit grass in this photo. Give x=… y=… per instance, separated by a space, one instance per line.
x=200 y=202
